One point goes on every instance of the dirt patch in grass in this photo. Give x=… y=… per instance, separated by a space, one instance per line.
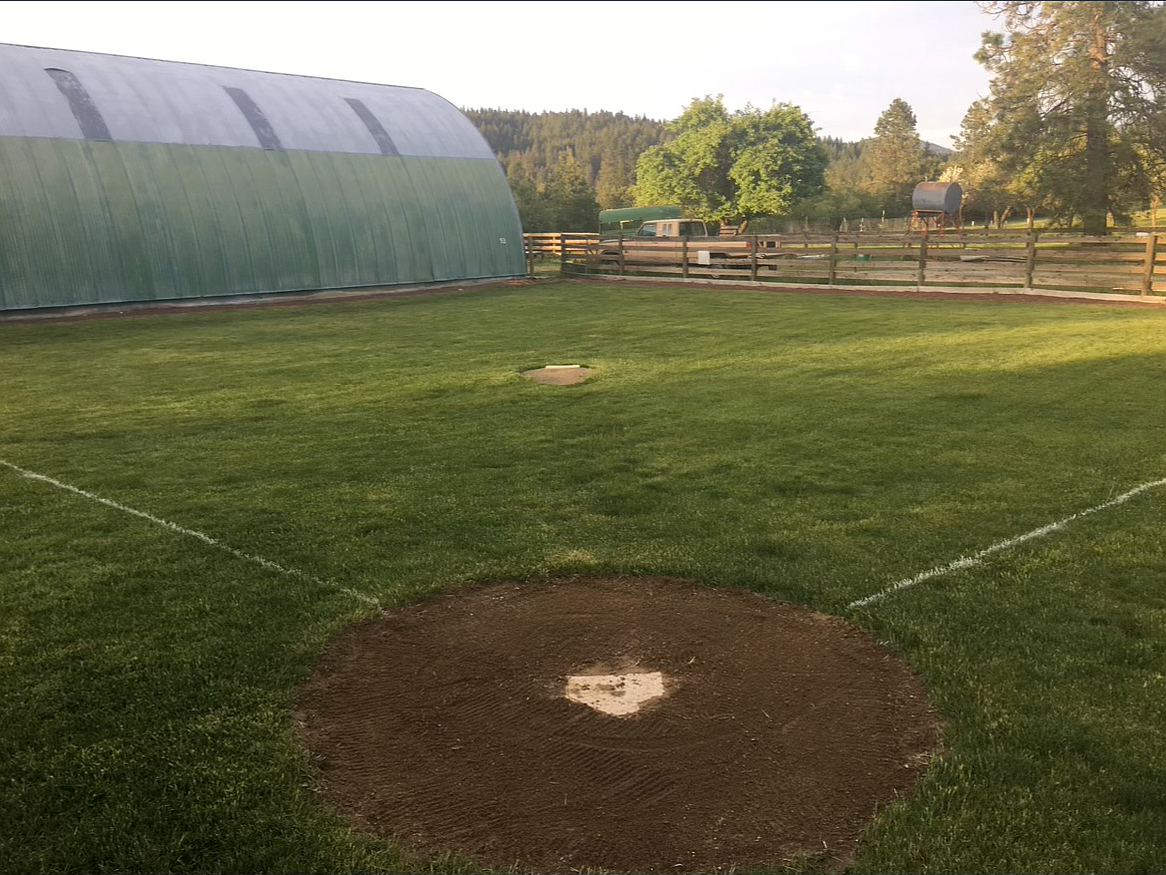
x=447 y=724
x=559 y=375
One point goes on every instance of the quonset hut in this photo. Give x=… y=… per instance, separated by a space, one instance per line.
x=127 y=179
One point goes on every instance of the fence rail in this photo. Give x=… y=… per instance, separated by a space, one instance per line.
x=1130 y=263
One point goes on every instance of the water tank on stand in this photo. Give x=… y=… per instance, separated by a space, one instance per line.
x=936 y=204
x=943 y=197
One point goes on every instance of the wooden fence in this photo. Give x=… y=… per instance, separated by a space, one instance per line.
x=568 y=249
x=1129 y=263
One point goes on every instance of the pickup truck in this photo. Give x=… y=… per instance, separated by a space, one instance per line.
x=664 y=241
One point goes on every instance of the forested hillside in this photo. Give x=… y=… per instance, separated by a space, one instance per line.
x=530 y=144
x=564 y=167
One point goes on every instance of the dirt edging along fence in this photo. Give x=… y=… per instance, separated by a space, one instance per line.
x=1130 y=263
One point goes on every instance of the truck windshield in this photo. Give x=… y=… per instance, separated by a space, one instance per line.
x=648 y=229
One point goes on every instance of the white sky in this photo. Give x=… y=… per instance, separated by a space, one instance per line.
x=842 y=62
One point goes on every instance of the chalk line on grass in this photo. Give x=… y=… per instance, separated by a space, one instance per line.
x=182 y=530
x=977 y=558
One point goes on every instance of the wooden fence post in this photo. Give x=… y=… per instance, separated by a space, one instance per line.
x=562 y=252
x=753 y=259
x=832 y=273
x=684 y=257
x=922 y=274
x=1029 y=258
x=621 y=261
x=1148 y=264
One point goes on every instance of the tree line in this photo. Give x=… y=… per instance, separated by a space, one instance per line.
x=563 y=167
x=1073 y=129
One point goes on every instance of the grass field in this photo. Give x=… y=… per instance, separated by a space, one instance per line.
x=816 y=448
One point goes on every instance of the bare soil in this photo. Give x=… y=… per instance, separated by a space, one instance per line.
x=294 y=299
x=445 y=724
x=560 y=375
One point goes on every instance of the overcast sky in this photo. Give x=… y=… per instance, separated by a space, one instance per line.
x=842 y=62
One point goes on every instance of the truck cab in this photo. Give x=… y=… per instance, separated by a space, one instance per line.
x=673 y=228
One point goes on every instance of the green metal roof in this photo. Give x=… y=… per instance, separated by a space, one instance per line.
x=126 y=179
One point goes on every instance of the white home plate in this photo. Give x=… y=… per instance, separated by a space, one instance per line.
x=616 y=694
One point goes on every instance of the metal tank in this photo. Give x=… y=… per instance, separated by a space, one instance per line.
x=937 y=197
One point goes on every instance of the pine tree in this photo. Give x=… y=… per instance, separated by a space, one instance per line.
x=894 y=161
x=1077 y=101
x=570 y=200
x=532 y=205
x=614 y=183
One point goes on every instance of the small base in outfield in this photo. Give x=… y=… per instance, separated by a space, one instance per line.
x=619 y=695
x=559 y=375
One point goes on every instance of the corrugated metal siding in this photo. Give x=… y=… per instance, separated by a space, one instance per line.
x=167 y=102
x=283 y=183
x=99 y=222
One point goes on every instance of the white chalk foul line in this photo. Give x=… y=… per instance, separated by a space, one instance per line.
x=977 y=558
x=182 y=530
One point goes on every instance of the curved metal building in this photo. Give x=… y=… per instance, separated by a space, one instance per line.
x=127 y=179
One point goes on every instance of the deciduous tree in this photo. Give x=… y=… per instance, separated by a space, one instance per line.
x=988 y=186
x=733 y=165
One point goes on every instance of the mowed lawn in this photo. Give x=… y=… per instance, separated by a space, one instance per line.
x=815 y=448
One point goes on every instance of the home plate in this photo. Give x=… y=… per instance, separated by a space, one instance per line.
x=619 y=695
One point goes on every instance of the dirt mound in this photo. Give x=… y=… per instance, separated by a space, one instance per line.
x=559 y=375
x=765 y=731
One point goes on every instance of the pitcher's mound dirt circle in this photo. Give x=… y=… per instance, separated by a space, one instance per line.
x=445 y=723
